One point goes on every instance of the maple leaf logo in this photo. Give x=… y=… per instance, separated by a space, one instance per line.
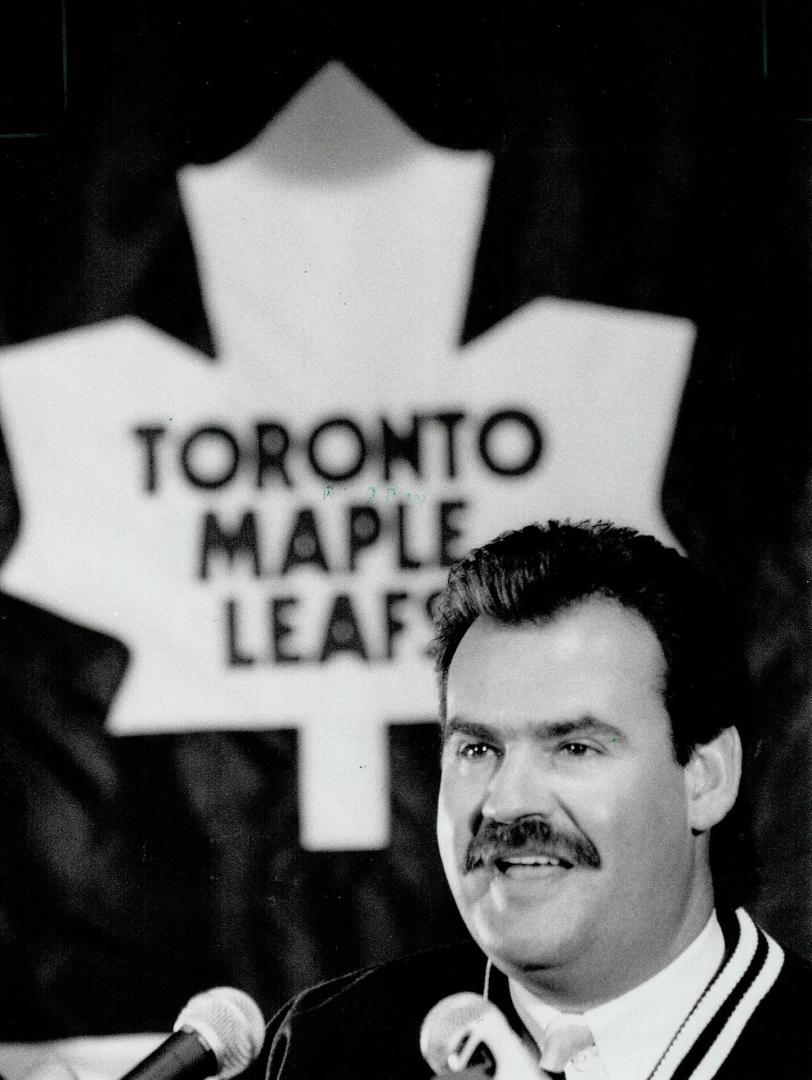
x=267 y=532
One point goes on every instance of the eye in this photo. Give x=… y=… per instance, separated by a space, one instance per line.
x=471 y=751
x=578 y=749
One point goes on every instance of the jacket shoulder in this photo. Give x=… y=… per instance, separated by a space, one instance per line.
x=777 y=1037
x=372 y=1015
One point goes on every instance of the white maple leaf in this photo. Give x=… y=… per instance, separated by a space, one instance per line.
x=336 y=289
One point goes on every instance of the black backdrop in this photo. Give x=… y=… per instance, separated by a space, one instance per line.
x=646 y=156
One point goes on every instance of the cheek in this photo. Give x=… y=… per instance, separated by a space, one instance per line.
x=447 y=841
x=447 y=813
x=456 y=807
x=647 y=823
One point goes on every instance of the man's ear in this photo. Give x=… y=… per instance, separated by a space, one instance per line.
x=712 y=777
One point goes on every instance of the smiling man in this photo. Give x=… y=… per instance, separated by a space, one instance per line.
x=573 y=840
x=590 y=829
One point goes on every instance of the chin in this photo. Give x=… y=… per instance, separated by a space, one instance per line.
x=518 y=960
x=514 y=949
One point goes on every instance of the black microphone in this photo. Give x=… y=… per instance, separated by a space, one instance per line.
x=466 y=1035
x=465 y=1074
x=218 y=1033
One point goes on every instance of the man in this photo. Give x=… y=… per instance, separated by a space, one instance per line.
x=590 y=830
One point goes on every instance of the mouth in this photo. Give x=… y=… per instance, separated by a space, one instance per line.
x=516 y=865
x=528 y=847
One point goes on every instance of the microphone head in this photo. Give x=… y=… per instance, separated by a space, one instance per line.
x=230 y=1023
x=446 y=1024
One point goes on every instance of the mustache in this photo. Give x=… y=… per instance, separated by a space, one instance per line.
x=528 y=836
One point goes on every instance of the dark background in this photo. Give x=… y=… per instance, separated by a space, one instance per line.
x=646 y=156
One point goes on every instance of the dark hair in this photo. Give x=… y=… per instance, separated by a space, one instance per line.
x=531 y=574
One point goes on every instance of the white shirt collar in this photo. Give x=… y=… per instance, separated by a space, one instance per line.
x=633 y=1031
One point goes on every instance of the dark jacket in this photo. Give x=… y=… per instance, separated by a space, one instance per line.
x=751 y=1023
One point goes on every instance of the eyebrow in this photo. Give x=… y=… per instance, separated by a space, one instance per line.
x=553 y=729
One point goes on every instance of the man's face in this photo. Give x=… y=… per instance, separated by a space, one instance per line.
x=560 y=731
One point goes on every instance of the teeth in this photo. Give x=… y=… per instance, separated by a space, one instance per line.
x=532 y=860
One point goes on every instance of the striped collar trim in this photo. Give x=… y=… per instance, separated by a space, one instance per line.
x=719 y=1017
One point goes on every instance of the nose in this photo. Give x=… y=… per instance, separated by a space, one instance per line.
x=520 y=785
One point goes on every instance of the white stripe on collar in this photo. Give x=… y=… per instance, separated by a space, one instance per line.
x=754 y=995
x=762 y=981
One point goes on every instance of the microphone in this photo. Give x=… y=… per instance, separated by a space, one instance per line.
x=466 y=1035
x=217 y=1033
